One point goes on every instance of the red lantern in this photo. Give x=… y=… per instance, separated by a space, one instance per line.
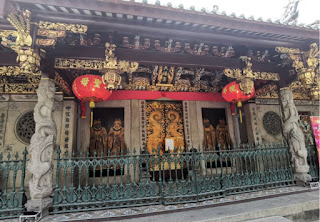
x=232 y=93
x=89 y=88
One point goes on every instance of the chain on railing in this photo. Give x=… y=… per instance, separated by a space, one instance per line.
x=12 y=193
x=134 y=179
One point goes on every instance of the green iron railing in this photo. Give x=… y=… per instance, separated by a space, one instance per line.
x=313 y=162
x=12 y=175
x=92 y=183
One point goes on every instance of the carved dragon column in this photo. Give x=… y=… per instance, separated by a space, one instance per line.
x=294 y=136
x=41 y=149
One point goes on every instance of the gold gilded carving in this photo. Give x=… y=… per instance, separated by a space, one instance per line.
x=141 y=82
x=247 y=76
x=74 y=28
x=23 y=88
x=267 y=92
x=52 y=34
x=287 y=50
x=164 y=121
x=165 y=75
x=210 y=140
x=222 y=135
x=65 y=87
x=45 y=42
x=306 y=65
x=98 y=139
x=22 y=25
x=6 y=40
x=9 y=70
x=29 y=61
x=116 y=144
x=112 y=67
x=78 y=64
x=306 y=73
x=299 y=91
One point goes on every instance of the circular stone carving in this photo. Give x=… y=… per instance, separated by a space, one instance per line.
x=25 y=127
x=272 y=123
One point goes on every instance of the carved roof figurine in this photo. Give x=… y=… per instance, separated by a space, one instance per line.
x=22 y=25
x=291 y=13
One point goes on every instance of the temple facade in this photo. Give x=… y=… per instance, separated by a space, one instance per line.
x=89 y=89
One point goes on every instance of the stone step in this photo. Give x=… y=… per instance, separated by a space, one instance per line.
x=271 y=219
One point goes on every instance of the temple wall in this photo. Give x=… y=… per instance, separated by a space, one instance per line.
x=198 y=112
x=11 y=109
x=255 y=112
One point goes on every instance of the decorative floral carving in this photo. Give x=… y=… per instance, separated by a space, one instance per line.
x=272 y=123
x=74 y=28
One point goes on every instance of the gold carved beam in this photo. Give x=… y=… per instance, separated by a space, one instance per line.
x=59 y=81
x=237 y=73
x=306 y=65
x=85 y=64
x=51 y=33
x=74 y=28
x=246 y=76
x=24 y=88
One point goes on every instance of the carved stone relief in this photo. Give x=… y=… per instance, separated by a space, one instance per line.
x=25 y=127
x=294 y=136
x=4 y=97
x=42 y=143
x=272 y=123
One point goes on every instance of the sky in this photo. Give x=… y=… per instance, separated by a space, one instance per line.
x=273 y=9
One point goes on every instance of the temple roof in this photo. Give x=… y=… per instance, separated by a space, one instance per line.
x=143 y=18
x=223 y=13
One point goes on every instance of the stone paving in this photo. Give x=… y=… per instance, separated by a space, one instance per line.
x=148 y=210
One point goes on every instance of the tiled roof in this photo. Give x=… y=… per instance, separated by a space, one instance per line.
x=223 y=13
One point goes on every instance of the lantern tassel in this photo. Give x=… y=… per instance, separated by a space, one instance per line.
x=83 y=109
x=239 y=106
x=92 y=105
x=91 y=123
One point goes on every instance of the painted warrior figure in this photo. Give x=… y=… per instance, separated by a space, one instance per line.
x=294 y=136
x=116 y=143
x=209 y=136
x=223 y=135
x=98 y=139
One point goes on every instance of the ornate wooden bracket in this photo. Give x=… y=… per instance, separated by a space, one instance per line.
x=246 y=76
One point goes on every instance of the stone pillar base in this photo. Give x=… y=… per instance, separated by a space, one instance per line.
x=302 y=177
x=42 y=205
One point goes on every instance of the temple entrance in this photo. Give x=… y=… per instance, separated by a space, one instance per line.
x=165 y=127
x=165 y=137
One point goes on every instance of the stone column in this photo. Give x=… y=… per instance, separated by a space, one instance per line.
x=41 y=149
x=294 y=136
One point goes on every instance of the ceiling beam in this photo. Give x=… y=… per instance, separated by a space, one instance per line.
x=148 y=57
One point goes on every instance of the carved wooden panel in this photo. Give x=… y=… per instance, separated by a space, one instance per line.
x=164 y=121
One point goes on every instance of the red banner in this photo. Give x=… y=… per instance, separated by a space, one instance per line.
x=315 y=122
x=151 y=95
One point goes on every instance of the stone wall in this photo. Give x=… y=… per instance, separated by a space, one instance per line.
x=12 y=107
x=255 y=112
